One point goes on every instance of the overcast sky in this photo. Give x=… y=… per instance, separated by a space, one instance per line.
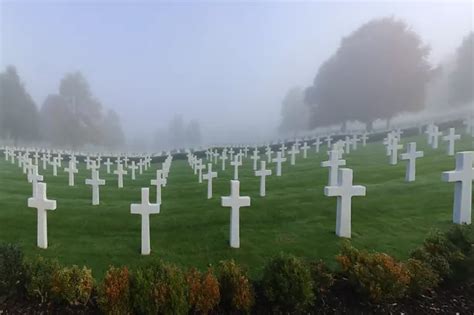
x=228 y=65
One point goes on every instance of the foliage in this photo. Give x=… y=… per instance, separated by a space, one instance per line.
x=378 y=71
x=294 y=112
x=422 y=277
x=11 y=269
x=204 y=294
x=287 y=284
x=18 y=112
x=72 y=285
x=462 y=78
x=375 y=275
x=237 y=293
x=322 y=277
x=114 y=292
x=159 y=288
x=40 y=273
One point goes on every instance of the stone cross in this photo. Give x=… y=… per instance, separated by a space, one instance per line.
x=133 y=167
x=200 y=167
x=223 y=158
x=278 y=160
x=145 y=208
x=317 y=144
x=347 y=144
x=263 y=173
x=108 y=163
x=120 y=172
x=235 y=202
x=71 y=170
x=158 y=182
x=354 y=141
x=411 y=155
x=333 y=163
x=463 y=176
x=34 y=178
x=55 y=164
x=141 y=163
x=282 y=149
x=451 y=137
x=236 y=163
x=269 y=152
x=364 y=138
x=328 y=141
x=435 y=133
x=393 y=148
x=255 y=157
x=41 y=203
x=45 y=160
x=344 y=192
x=209 y=176
x=95 y=182
x=294 y=150
x=305 y=148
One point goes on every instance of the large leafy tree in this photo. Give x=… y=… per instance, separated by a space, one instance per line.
x=462 y=78
x=18 y=112
x=113 y=136
x=378 y=71
x=294 y=112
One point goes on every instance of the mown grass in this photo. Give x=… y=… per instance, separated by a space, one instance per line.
x=295 y=217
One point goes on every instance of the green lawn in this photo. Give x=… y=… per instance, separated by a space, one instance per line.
x=295 y=217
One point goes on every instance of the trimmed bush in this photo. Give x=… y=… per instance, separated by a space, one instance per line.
x=422 y=277
x=462 y=237
x=11 y=269
x=114 y=292
x=73 y=285
x=40 y=273
x=237 y=293
x=159 y=288
x=375 y=275
x=287 y=284
x=204 y=294
x=322 y=276
x=440 y=253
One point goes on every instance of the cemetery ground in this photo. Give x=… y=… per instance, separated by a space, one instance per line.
x=295 y=217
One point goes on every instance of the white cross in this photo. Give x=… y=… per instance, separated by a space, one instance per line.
x=199 y=168
x=317 y=144
x=269 y=153
x=333 y=163
x=223 y=158
x=120 y=172
x=328 y=141
x=282 y=149
x=364 y=138
x=235 y=201
x=55 y=164
x=347 y=144
x=141 y=163
x=95 y=182
x=354 y=141
x=451 y=137
x=435 y=133
x=41 y=203
x=294 y=150
x=393 y=148
x=133 y=167
x=145 y=208
x=305 y=148
x=108 y=163
x=263 y=173
x=344 y=192
x=71 y=170
x=255 y=157
x=34 y=177
x=463 y=176
x=43 y=159
x=158 y=182
x=236 y=163
x=411 y=155
x=278 y=160
x=209 y=176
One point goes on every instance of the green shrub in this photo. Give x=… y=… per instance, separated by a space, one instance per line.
x=287 y=284
x=40 y=273
x=204 y=294
x=72 y=285
x=237 y=293
x=440 y=253
x=114 y=291
x=159 y=288
x=11 y=269
x=322 y=277
x=375 y=275
x=422 y=277
x=462 y=237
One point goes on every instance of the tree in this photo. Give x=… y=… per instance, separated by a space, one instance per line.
x=113 y=136
x=18 y=112
x=176 y=134
x=378 y=71
x=85 y=108
x=57 y=121
x=462 y=78
x=193 y=133
x=294 y=112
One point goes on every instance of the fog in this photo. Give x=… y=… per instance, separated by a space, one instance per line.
x=226 y=65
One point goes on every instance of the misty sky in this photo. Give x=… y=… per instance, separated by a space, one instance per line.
x=228 y=65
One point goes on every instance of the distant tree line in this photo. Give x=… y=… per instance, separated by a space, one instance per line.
x=179 y=134
x=71 y=118
x=378 y=71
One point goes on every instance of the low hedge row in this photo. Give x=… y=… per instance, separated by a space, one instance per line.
x=288 y=284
